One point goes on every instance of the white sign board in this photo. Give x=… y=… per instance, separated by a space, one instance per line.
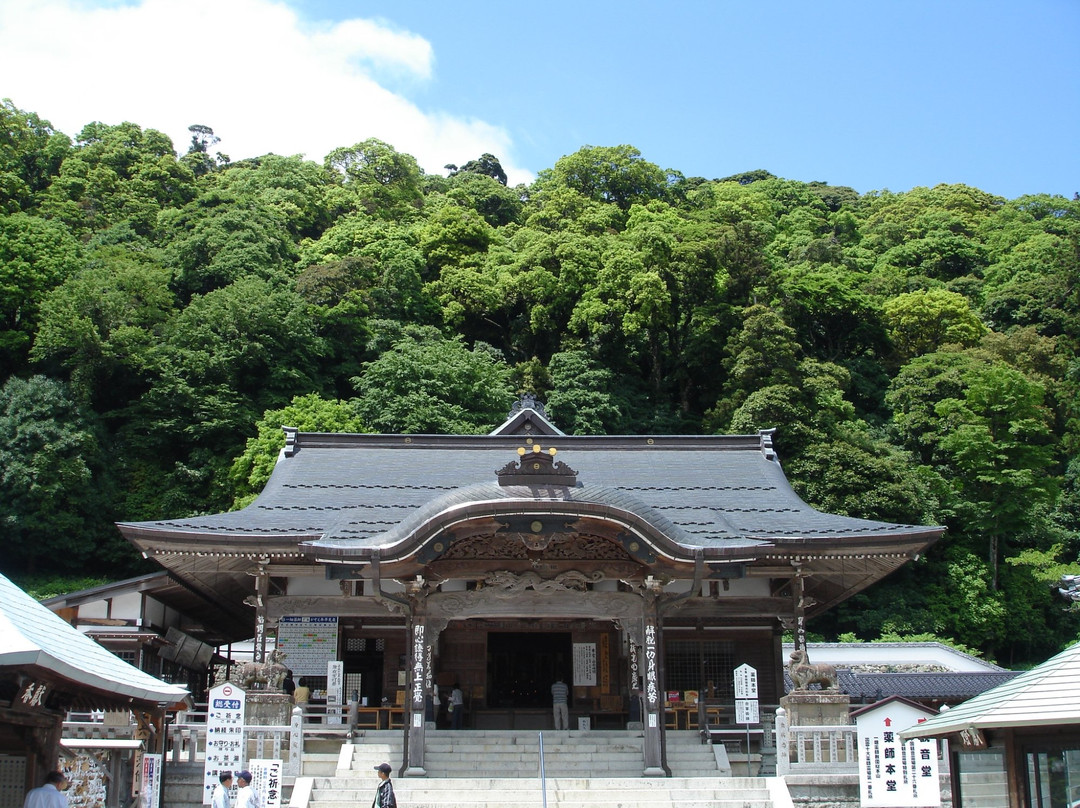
x=746 y=682
x=746 y=695
x=746 y=711
x=585 y=664
x=893 y=773
x=150 y=789
x=266 y=782
x=225 y=710
x=308 y=643
x=335 y=686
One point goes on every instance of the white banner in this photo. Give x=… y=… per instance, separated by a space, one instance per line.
x=225 y=711
x=150 y=789
x=266 y=782
x=585 y=664
x=335 y=686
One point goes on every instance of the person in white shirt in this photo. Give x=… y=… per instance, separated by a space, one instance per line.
x=456 y=707
x=49 y=795
x=245 y=794
x=220 y=797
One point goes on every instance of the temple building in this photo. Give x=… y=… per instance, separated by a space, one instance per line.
x=624 y=564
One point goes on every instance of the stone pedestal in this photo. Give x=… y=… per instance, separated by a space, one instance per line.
x=268 y=709
x=817 y=708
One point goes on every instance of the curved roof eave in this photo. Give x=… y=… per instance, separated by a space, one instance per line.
x=487 y=500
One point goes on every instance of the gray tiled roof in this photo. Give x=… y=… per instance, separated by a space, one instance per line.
x=720 y=491
x=1045 y=696
x=31 y=637
x=950 y=686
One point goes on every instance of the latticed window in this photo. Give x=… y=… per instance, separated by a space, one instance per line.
x=697 y=664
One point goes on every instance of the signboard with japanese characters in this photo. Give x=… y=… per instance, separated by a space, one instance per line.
x=266 y=781
x=894 y=773
x=746 y=695
x=335 y=687
x=746 y=711
x=308 y=643
x=225 y=712
x=585 y=664
x=746 y=686
x=150 y=788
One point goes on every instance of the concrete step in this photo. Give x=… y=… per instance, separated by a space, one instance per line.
x=710 y=792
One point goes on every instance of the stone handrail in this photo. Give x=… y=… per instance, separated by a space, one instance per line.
x=809 y=749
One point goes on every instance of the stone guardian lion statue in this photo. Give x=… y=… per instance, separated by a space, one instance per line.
x=803 y=673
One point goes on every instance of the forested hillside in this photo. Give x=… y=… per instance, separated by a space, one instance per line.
x=163 y=313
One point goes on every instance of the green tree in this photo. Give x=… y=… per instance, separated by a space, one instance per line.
x=53 y=510
x=615 y=174
x=218 y=239
x=118 y=175
x=865 y=477
x=308 y=413
x=926 y=321
x=426 y=383
x=101 y=325
x=31 y=153
x=378 y=179
x=36 y=255
x=997 y=440
x=583 y=399
x=228 y=357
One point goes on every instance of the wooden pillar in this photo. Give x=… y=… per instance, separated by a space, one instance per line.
x=799 y=594
x=652 y=665
x=423 y=639
x=262 y=590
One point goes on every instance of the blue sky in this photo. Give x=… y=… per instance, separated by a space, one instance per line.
x=872 y=94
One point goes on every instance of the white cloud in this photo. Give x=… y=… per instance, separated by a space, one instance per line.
x=262 y=77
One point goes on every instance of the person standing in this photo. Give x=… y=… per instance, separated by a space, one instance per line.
x=49 y=795
x=560 y=695
x=456 y=707
x=384 y=794
x=302 y=693
x=288 y=685
x=245 y=794
x=220 y=797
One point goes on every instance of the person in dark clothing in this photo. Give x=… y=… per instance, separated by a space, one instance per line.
x=384 y=795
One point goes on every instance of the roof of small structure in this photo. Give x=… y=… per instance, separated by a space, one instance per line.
x=1045 y=696
x=36 y=641
x=948 y=686
x=889 y=657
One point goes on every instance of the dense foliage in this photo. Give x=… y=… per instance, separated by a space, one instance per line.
x=162 y=314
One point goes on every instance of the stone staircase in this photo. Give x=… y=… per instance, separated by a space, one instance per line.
x=562 y=792
x=515 y=754
x=500 y=769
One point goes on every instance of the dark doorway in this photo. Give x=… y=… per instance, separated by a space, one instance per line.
x=522 y=667
x=369 y=664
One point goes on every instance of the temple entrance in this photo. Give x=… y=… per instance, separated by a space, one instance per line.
x=521 y=667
